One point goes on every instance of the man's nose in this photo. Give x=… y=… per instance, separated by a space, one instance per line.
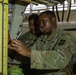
x=32 y=27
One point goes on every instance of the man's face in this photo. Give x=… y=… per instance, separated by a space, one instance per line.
x=31 y=26
x=46 y=24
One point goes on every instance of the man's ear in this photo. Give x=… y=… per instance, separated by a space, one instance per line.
x=54 y=20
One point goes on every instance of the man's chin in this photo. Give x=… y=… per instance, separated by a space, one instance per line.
x=43 y=33
x=33 y=33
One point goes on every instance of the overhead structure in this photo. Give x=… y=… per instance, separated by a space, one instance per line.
x=46 y=2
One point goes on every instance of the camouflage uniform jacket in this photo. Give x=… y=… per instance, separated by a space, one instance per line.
x=28 y=39
x=51 y=54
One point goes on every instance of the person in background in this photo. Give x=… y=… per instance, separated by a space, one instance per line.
x=28 y=39
x=31 y=36
x=52 y=53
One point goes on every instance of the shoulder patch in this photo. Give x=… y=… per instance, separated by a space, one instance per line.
x=61 y=42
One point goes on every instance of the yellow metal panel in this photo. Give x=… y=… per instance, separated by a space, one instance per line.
x=0 y=0
x=28 y=1
x=5 y=39
x=3 y=36
x=5 y=1
x=0 y=37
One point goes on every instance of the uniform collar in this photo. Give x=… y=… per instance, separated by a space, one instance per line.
x=50 y=37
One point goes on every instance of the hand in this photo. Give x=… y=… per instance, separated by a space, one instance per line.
x=19 y=47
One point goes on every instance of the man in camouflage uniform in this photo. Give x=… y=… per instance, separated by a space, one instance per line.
x=28 y=39
x=31 y=36
x=51 y=54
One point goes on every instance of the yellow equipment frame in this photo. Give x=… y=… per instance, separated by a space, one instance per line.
x=3 y=36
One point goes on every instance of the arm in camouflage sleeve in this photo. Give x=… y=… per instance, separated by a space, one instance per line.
x=54 y=59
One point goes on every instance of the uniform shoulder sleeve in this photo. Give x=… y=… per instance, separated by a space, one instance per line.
x=58 y=58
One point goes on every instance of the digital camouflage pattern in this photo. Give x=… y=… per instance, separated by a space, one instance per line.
x=28 y=39
x=52 y=54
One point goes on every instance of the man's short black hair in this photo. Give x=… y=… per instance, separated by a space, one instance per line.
x=33 y=17
x=49 y=13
